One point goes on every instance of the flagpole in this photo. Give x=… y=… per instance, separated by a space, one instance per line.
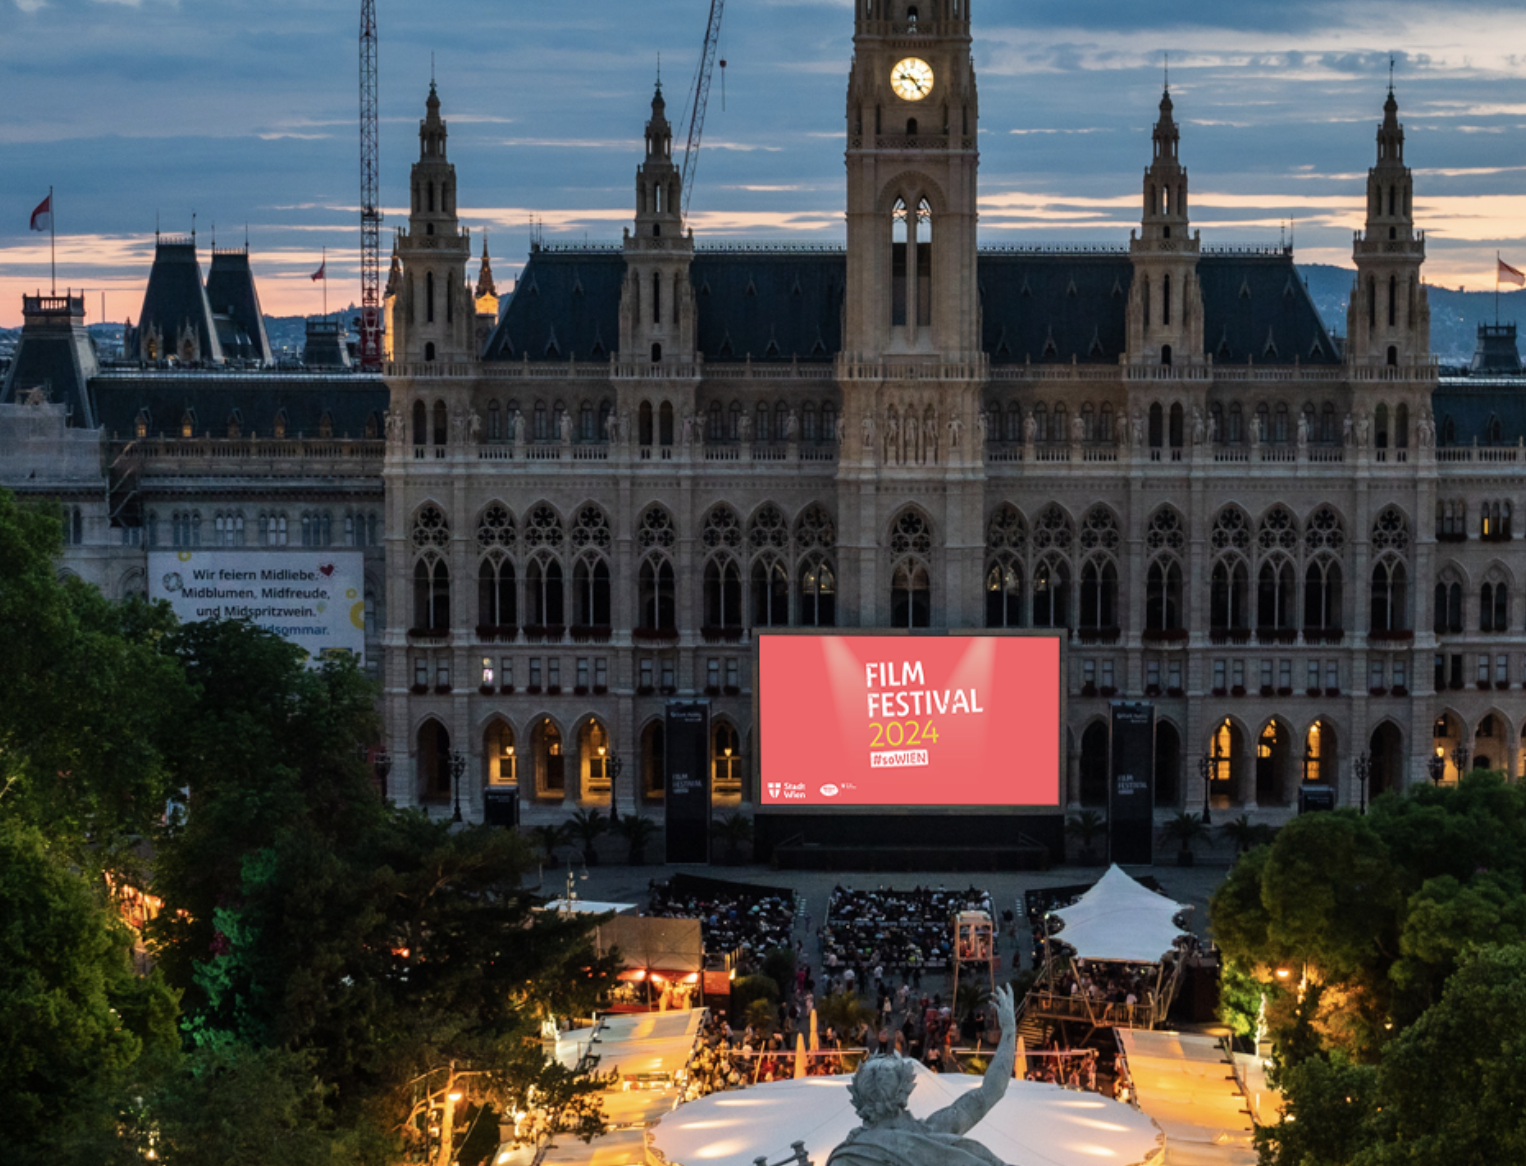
x=1497 y=262
x=52 y=241
x=324 y=267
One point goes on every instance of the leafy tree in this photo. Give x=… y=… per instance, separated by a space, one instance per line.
x=76 y=1020
x=265 y=744
x=1334 y=1100
x=89 y=693
x=1450 y=1086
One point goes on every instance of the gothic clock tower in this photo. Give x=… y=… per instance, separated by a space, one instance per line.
x=911 y=368
x=912 y=160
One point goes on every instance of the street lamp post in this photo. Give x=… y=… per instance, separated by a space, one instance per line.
x=1363 y=772
x=615 y=766
x=1438 y=767
x=1460 y=759
x=1205 y=771
x=457 y=768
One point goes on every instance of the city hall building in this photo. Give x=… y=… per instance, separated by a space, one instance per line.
x=587 y=500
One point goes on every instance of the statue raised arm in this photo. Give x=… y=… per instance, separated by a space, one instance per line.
x=890 y=1136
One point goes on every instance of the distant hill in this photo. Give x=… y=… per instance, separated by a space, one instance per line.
x=1455 y=315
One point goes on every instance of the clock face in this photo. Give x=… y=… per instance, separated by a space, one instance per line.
x=912 y=79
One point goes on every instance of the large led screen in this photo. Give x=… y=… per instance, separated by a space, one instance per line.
x=909 y=721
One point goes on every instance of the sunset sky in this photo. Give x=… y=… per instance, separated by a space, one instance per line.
x=245 y=111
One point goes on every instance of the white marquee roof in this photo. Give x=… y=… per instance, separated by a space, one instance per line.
x=1035 y=1124
x=1120 y=919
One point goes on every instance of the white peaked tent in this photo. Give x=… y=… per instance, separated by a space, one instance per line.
x=1121 y=920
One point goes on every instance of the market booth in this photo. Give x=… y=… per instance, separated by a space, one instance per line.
x=1189 y=1087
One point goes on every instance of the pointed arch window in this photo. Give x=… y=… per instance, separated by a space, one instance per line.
x=922 y=241
x=900 y=232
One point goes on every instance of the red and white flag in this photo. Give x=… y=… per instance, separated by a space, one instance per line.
x=321 y=273
x=42 y=217
x=1508 y=274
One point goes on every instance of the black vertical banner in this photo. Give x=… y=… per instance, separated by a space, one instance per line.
x=687 y=803
x=1131 y=784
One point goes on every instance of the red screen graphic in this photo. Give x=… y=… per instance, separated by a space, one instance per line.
x=909 y=721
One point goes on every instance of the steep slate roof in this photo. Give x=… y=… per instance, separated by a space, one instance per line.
x=230 y=291
x=1255 y=307
x=787 y=304
x=1486 y=410
x=566 y=304
x=174 y=296
x=771 y=305
x=56 y=354
x=1049 y=307
x=212 y=397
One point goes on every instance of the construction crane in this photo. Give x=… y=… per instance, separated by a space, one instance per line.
x=370 y=212
x=701 y=99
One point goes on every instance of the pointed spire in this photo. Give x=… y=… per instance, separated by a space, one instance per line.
x=485 y=276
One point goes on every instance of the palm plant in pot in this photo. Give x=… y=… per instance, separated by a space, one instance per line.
x=1085 y=827
x=586 y=826
x=1184 y=830
x=637 y=830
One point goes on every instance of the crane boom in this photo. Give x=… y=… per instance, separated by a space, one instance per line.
x=701 y=100
x=370 y=212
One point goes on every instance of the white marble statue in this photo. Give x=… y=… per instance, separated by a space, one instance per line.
x=611 y=427
x=890 y=1136
x=566 y=429
x=1030 y=428
x=1303 y=430
x=1199 y=426
x=840 y=428
x=955 y=429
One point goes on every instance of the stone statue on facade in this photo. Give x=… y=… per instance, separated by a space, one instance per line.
x=1303 y=431
x=1199 y=426
x=395 y=426
x=474 y=424
x=686 y=429
x=984 y=421
x=611 y=427
x=955 y=430
x=1138 y=425
x=840 y=429
x=1255 y=431
x=1425 y=429
x=890 y=1136
x=867 y=427
x=1213 y=428
x=1363 y=430
x=1077 y=429
x=744 y=428
x=1030 y=429
x=517 y=427
x=566 y=428
x=459 y=424
x=1346 y=430
x=625 y=426
x=929 y=436
x=792 y=427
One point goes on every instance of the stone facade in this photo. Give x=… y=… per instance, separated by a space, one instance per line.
x=591 y=497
